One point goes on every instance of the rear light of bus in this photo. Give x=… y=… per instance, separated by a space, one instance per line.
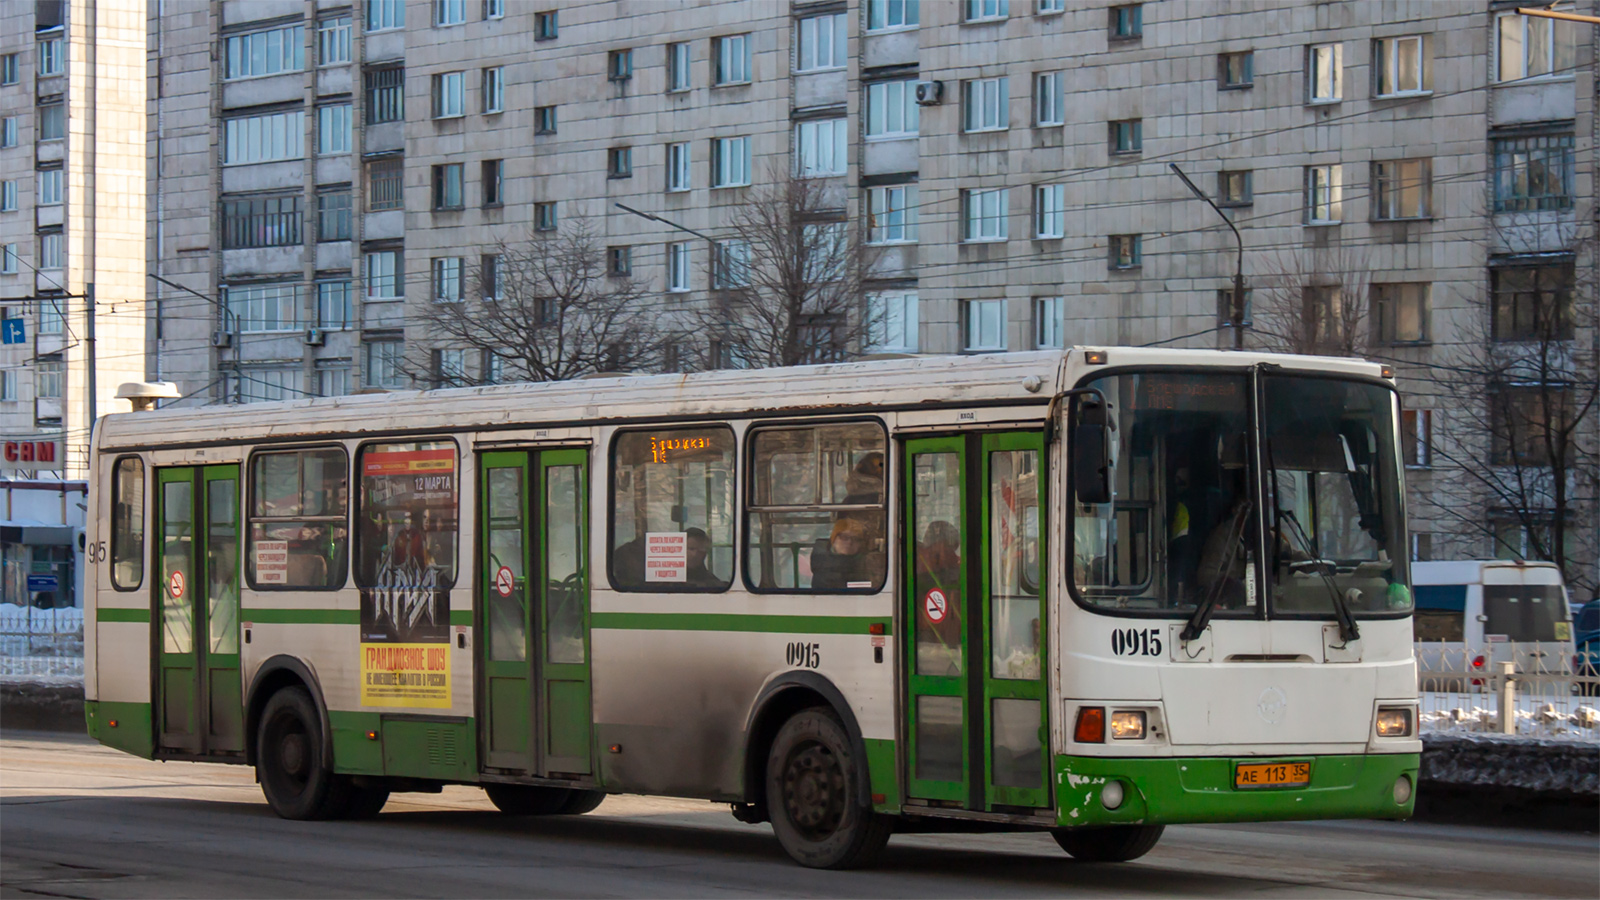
x=1091 y=727
x=1394 y=721
x=1127 y=725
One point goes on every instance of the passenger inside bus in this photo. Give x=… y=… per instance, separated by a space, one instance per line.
x=846 y=559
x=697 y=547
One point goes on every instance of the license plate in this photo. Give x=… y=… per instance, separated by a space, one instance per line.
x=1280 y=774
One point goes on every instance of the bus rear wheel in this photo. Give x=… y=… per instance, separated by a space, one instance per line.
x=1109 y=843
x=813 y=795
x=297 y=780
x=581 y=801
x=528 y=799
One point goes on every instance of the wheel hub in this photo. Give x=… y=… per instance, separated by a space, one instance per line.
x=814 y=794
x=292 y=754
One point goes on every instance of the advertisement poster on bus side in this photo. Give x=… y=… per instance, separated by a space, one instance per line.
x=409 y=522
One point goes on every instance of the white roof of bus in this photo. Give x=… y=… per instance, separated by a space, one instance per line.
x=898 y=382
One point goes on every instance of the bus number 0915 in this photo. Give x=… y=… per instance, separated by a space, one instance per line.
x=807 y=655
x=1136 y=642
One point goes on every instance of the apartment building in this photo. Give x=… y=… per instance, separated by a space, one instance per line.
x=1408 y=178
x=72 y=260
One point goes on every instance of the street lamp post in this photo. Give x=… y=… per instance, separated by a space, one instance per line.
x=1236 y=311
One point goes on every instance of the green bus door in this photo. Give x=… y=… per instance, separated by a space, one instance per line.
x=975 y=641
x=535 y=627
x=199 y=693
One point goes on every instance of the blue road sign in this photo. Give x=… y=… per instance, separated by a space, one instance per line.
x=38 y=583
x=12 y=331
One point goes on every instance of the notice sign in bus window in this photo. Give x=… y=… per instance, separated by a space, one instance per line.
x=272 y=562
x=666 y=556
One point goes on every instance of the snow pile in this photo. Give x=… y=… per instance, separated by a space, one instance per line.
x=1543 y=721
x=1550 y=767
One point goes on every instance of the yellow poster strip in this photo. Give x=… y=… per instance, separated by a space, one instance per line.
x=406 y=675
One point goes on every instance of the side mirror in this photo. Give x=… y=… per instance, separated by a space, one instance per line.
x=1091 y=462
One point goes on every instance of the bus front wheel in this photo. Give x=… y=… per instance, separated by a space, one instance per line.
x=1110 y=843
x=297 y=781
x=528 y=799
x=813 y=795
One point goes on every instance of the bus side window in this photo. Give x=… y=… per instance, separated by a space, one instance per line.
x=672 y=525
x=127 y=523
x=299 y=533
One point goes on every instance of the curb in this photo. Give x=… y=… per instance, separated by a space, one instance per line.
x=30 y=706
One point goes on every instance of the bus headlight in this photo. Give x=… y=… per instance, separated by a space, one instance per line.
x=1127 y=725
x=1393 y=721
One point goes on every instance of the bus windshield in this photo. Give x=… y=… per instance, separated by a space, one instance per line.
x=1184 y=525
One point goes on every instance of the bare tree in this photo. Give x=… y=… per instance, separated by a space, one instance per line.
x=1313 y=300
x=548 y=309
x=787 y=286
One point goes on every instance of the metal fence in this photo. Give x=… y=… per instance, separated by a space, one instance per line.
x=1507 y=688
x=40 y=644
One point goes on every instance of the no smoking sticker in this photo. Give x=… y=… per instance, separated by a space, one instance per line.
x=503 y=581
x=936 y=605
x=175 y=584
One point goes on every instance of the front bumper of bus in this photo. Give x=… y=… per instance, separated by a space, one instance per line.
x=1170 y=791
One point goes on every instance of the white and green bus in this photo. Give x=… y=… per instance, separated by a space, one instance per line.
x=1094 y=593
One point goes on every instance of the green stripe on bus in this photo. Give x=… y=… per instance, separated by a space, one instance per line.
x=737 y=622
x=121 y=614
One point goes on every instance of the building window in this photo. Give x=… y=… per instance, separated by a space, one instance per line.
x=1324 y=194
x=333 y=129
x=544 y=216
x=10 y=254
x=52 y=314
x=1532 y=302
x=8 y=69
x=886 y=14
x=619 y=261
x=385 y=184
x=489 y=277
x=1049 y=323
x=732 y=269
x=8 y=384
x=449 y=95
x=494 y=90
x=678 y=267
x=820 y=147
x=260 y=222
x=333 y=305
x=893 y=214
x=678 y=167
x=1127 y=22
x=449 y=12
x=450 y=368
x=1050 y=211
x=678 y=71
x=985 y=10
x=333 y=40
x=52 y=121
x=1401 y=65
x=447 y=272
x=1401 y=189
x=821 y=43
x=263 y=307
x=731 y=58
x=1526 y=420
x=8 y=131
x=50 y=190
x=730 y=162
x=333 y=215
x=386 y=95
x=1052 y=6
x=47 y=377
x=1401 y=312
x=544 y=120
x=494 y=9
x=1126 y=251
x=985 y=325
x=385 y=277
x=1127 y=136
x=1325 y=73
x=1416 y=438
x=1236 y=70
x=491 y=175
x=1535 y=47
x=385 y=14
x=262 y=384
x=51 y=255
x=264 y=138
x=1532 y=172
x=546 y=26
x=1234 y=188
x=619 y=65
x=333 y=380
x=892 y=109
x=52 y=59
x=985 y=214
x=619 y=162
x=385 y=364
x=8 y=196
x=985 y=104
x=260 y=53
x=448 y=191
x=893 y=321
x=1049 y=102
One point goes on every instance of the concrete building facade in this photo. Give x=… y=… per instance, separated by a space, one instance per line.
x=1404 y=176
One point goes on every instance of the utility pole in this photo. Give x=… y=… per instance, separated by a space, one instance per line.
x=88 y=349
x=1236 y=307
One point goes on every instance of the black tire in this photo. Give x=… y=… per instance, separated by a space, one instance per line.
x=366 y=802
x=1108 y=843
x=814 y=795
x=528 y=799
x=582 y=801
x=291 y=764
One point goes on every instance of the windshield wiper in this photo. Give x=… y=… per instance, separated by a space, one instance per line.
x=1202 y=613
x=1348 y=630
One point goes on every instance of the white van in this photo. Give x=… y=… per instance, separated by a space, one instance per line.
x=1471 y=614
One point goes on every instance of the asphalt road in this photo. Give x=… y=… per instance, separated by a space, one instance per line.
x=79 y=820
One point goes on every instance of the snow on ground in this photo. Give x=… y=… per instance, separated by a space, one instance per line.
x=1569 y=717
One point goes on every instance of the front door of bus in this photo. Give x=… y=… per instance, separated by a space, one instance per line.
x=975 y=643
x=534 y=582
x=199 y=707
